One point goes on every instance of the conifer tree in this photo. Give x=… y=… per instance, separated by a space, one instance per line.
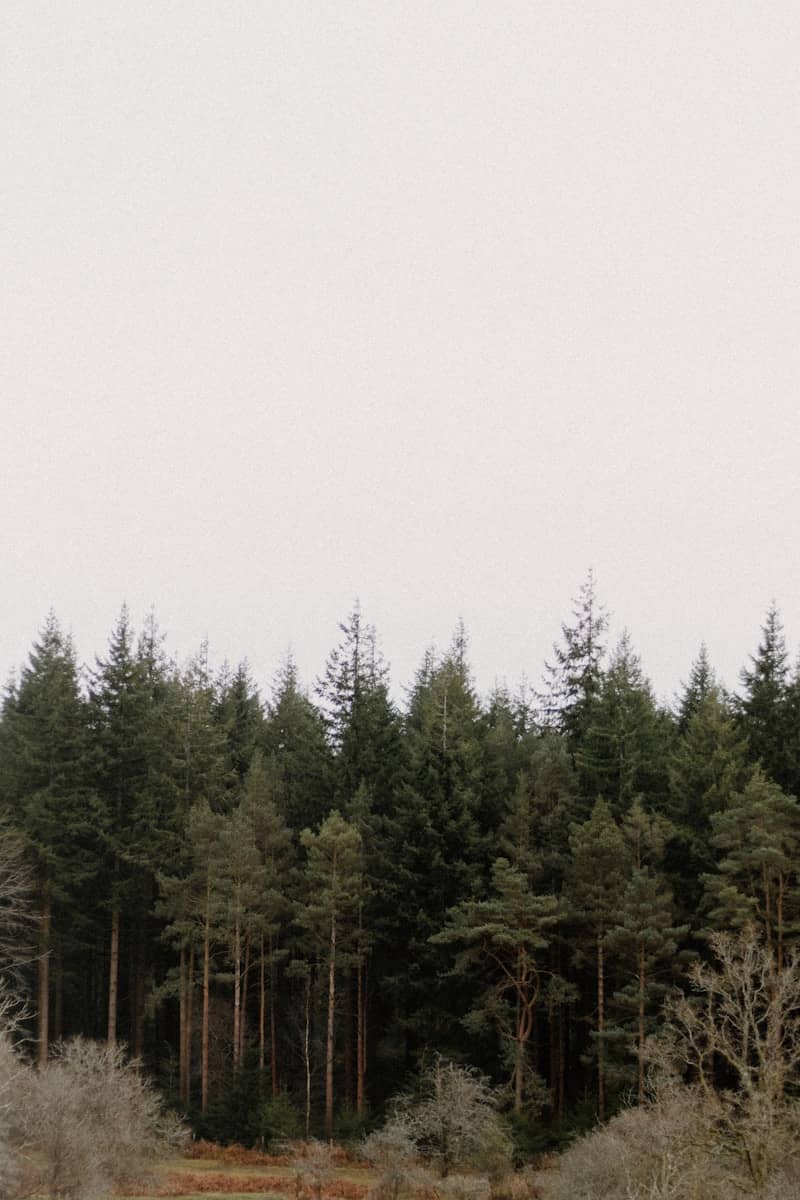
x=508 y=932
x=333 y=888
x=764 y=706
x=297 y=753
x=708 y=765
x=273 y=907
x=701 y=683
x=756 y=881
x=573 y=678
x=600 y=869
x=644 y=935
x=44 y=791
x=624 y=748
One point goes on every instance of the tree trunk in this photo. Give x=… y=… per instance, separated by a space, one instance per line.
x=348 y=1042
x=641 y=1021
x=58 y=998
x=43 y=979
x=307 y=1053
x=361 y=1041
x=243 y=1014
x=204 y=1031
x=273 y=1024
x=113 y=978
x=138 y=991
x=330 y=1036
x=237 y=986
x=262 y=1004
x=189 y=1017
x=601 y=1025
x=182 y=1026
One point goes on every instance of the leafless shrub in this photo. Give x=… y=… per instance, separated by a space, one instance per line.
x=392 y=1150
x=313 y=1165
x=734 y=1128
x=464 y=1187
x=455 y=1123
x=93 y=1122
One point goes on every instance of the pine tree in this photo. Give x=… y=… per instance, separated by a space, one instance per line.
x=333 y=891
x=507 y=932
x=273 y=843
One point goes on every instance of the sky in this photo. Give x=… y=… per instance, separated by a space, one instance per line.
x=433 y=306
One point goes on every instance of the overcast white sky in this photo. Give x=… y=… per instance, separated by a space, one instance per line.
x=431 y=304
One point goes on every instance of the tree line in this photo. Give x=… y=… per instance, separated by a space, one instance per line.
x=284 y=906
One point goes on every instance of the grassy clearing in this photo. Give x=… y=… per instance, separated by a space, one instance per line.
x=213 y=1177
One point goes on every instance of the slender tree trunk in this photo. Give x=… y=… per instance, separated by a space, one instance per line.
x=601 y=1026
x=189 y=1021
x=307 y=1053
x=58 y=998
x=348 y=1041
x=330 y=1036
x=43 y=979
x=779 y=917
x=641 y=1021
x=360 y=1040
x=237 y=986
x=138 y=991
x=204 y=1031
x=243 y=1015
x=262 y=997
x=562 y=1062
x=113 y=978
x=273 y=1023
x=182 y=1026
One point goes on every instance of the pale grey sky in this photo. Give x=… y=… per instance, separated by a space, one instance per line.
x=431 y=304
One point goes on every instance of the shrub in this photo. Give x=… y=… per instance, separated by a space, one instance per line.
x=93 y=1121
x=279 y=1121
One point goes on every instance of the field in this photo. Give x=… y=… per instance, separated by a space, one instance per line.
x=207 y=1172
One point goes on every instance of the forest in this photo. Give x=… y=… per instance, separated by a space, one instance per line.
x=289 y=906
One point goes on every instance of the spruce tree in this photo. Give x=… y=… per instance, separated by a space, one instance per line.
x=44 y=791
x=764 y=708
x=600 y=869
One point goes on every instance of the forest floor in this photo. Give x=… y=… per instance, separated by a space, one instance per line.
x=228 y=1173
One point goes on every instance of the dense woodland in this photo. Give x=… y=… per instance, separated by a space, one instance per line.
x=285 y=906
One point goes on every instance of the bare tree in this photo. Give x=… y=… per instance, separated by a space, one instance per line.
x=93 y=1122
x=723 y=1119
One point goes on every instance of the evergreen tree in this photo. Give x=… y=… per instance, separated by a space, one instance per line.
x=706 y=768
x=573 y=678
x=363 y=725
x=44 y=791
x=600 y=869
x=297 y=754
x=238 y=712
x=508 y=932
x=764 y=707
x=333 y=892
x=273 y=911
x=701 y=684
x=645 y=936
x=756 y=877
x=624 y=749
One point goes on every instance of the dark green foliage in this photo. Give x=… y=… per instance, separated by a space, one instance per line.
x=517 y=895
